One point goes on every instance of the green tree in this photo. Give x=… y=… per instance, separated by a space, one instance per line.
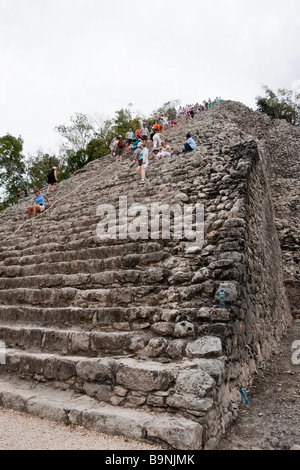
x=38 y=167
x=124 y=120
x=283 y=105
x=78 y=134
x=104 y=133
x=168 y=109
x=77 y=160
x=12 y=168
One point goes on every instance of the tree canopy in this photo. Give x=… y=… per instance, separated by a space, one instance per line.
x=12 y=167
x=283 y=105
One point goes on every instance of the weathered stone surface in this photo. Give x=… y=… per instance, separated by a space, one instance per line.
x=205 y=347
x=180 y=434
x=145 y=376
x=195 y=382
x=95 y=370
x=184 y=328
x=126 y=319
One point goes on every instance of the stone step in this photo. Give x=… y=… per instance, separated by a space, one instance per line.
x=124 y=381
x=43 y=231
x=66 y=263
x=151 y=295
x=111 y=278
x=52 y=252
x=100 y=272
x=69 y=407
x=91 y=318
x=72 y=342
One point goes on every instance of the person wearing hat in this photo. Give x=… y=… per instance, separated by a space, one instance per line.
x=39 y=204
x=189 y=145
x=52 y=179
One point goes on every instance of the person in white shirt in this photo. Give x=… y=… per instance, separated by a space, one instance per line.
x=129 y=138
x=156 y=140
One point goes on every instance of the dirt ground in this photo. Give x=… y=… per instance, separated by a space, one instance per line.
x=270 y=421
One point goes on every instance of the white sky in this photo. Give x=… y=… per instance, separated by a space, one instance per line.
x=59 y=57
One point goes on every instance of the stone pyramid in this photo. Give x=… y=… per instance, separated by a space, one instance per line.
x=124 y=335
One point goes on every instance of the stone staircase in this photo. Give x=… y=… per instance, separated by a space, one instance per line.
x=125 y=336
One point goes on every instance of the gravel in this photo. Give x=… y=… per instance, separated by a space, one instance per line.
x=20 y=431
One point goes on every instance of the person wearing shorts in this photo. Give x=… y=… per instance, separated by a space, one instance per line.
x=39 y=204
x=144 y=133
x=129 y=137
x=52 y=179
x=119 y=148
x=143 y=162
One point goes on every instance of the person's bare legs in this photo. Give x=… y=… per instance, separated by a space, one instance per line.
x=34 y=210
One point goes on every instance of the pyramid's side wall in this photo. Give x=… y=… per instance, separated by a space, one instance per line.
x=255 y=291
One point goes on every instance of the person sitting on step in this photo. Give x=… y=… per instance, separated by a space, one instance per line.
x=39 y=204
x=189 y=145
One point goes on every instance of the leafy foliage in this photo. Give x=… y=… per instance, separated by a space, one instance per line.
x=38 y=167
x=283 y=105
x=78 y=134
x=12 y=167
x=168 y=109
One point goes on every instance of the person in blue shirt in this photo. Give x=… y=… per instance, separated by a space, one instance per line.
x=189 y=145
x=39 y=204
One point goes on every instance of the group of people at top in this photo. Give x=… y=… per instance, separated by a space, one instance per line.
x=143 y=139
x=188 y=112
x=139 y=142
x=118 y=147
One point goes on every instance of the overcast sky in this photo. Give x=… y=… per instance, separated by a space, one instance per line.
x=60 y=57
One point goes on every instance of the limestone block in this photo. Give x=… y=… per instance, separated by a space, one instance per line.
x=179 y=433
x=144 y=376
x=163 y=328
x=205 y=347
x=156 y=347
x=189 y=402
x=98 y=370
x=184 y=328
x=176 y=348
x=196 y=382
x=59 y=369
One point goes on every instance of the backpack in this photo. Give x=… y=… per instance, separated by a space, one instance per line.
x=121 y=144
